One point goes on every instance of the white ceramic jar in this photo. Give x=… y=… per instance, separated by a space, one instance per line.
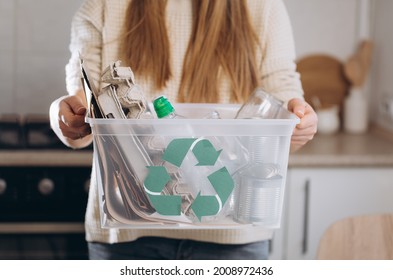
x=356 y=112
x=328 y=120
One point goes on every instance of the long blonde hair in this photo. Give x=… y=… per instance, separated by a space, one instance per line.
x=222 y=36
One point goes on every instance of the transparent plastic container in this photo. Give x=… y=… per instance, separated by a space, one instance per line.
x=193 y=172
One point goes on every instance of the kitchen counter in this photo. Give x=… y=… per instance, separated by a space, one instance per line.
x=372 y=149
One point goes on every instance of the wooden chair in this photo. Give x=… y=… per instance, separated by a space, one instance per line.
x=368 y=237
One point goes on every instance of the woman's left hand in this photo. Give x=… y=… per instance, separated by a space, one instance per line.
x=307 y=127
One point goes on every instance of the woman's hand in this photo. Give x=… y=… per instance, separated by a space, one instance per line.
x=67 y=116
x=307 y=127
x=72 y=118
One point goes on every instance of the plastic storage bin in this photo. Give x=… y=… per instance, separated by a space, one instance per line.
x=194 y=172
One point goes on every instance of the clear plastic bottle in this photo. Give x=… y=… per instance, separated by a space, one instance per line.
x=192 y=177
x=164 y=108
x=180 y=178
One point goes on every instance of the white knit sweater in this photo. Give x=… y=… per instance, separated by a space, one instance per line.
x=95 y=29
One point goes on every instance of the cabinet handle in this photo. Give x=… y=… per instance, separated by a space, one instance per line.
x=305 y=221
x=270 y=246
x=3 y=186
x=46 y=186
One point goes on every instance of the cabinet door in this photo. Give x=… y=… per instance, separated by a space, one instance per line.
x=319 y=197
x=276 y=246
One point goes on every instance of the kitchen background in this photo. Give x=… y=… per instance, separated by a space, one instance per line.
x=34 y=46
x=34 y=38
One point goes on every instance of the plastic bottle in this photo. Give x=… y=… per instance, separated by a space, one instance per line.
x=164 y=109
x=193 y=177
x=180 y=179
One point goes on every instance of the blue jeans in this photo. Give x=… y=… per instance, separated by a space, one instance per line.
x=158 y=248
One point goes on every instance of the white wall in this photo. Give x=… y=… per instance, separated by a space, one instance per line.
x=335 y=27
x=7 y=54
x=34 y=37
x=382 y=72
x=324 y=26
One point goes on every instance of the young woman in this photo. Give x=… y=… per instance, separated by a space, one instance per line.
x=194 y=51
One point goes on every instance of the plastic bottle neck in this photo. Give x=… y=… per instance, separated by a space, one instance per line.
x=163 y=107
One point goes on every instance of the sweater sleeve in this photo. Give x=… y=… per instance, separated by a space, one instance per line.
x=86 y=39
x=278 y=68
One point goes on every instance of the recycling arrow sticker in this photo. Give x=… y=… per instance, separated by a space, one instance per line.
x=154 y=184
x=175 y=153
x=205 y=153
x=209 y=205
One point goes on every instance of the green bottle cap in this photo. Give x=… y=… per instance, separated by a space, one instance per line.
x=162 y=106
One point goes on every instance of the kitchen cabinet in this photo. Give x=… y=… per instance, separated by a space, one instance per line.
x=38 y=185
x=317 y=197
x=43 y=195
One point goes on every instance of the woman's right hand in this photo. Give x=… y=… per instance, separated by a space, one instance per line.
x=72 y=114
x=67 y=116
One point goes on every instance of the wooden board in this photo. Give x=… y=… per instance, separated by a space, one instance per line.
x=323 y=76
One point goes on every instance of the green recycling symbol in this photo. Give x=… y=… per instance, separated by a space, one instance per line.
x=203 y=205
